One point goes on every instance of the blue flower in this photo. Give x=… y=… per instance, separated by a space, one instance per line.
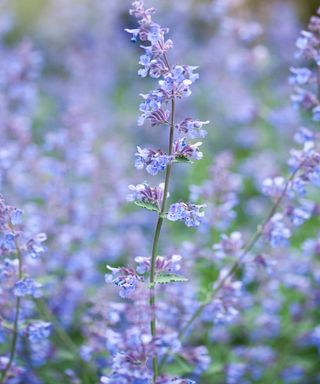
x=191 y=214
x=26 y=287
x=38 y=331
x=125 y=278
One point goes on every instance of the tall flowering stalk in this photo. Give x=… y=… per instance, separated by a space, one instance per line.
x=159 y=107
x=16 y=282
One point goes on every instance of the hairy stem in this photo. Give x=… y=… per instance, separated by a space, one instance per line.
x=16 y=319
x=247 y=248
x=156 y=241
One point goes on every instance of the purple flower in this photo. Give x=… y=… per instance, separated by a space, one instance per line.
x=26 y=287
x=153 y=161
x=300 y=76
x=143 y=193
x=184 y=151
x=229 y=245
x=273 y=187
x=34 y=246
x=38 y=331
x=125 y=278
x=316 y=113
x=276 y=233
x=191 y=214
x=191 y=128
x=16 y=216
x=167 y=264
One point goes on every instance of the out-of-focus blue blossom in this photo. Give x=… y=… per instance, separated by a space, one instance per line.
x=304 y=135
x=316 y=113
x=26 y=287
x=191 y=128
x=273 y=187
x=229 y=245
x=34 y=246
x=293 y=374
x=7 y=242
x=16 y=216
x=276 y=232
x=198 y=357
x=191 y=214
x=235 y=373
x=38 y=331
x=128 y=368
x=168 y=264
x=300 y=76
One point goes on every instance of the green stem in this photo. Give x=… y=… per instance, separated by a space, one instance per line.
x=16 y=319
x=155 y=244
x=250 y=244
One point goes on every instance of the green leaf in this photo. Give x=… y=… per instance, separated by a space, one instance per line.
x=167 y=277
x=149 y=206
x=182 y=160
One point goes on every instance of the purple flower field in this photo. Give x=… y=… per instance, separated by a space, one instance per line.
x=159 y=192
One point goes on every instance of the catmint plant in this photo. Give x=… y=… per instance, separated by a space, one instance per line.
x=158 y=109
x=16 y=247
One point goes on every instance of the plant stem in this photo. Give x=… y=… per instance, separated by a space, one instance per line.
x=16 y=318
x=250 y=244
x=154 y=255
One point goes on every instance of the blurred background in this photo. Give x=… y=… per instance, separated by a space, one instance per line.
x=68 y=109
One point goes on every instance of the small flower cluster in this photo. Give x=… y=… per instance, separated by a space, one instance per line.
x=125 y=278
x=19 y=248
x=306 y=80
x=190 y=214
x=143 y=193
x=156 y=161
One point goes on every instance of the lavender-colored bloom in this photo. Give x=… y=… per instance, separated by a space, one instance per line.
x=300 y=76
x=303 y=135
x=316 y=113
x=191 y=214
x=153 y=161
x=125 y=278
x=191 y=128
x=229 y=245
x=276 y=232
x=145 y=194
x=293 y=374
x=184 y=151
x=26 y=287
x=235 y=372
x=7 y=242
x=273 y=187
x=128 y=368
x=38 y=331
x=16 y=216
x=159 y=117
x=167 y=264
x=34 y=246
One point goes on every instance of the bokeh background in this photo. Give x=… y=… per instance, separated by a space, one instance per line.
x=68 y=108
